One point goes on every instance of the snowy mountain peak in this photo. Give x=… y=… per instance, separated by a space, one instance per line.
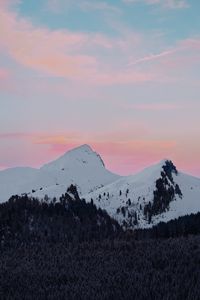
x=157 y=193
x=79 y=157
x=81 y=166
x=83 y=147
x=85 y=150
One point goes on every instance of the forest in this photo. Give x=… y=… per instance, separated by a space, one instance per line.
x=69 y=249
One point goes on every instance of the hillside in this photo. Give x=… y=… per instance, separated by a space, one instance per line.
x=69 y=249
x=158 y=193
x=69 y=220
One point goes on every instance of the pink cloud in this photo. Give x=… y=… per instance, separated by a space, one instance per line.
x=62 y=53
x=42 y=49
x=3 y=167
x=9 y=3
x=78 y=56
x=191 y=43
x=43 y=138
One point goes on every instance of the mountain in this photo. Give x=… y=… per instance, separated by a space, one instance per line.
x=81 y=166
x=158 y=193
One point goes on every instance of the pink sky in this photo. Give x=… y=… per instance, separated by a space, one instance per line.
x=129 y=90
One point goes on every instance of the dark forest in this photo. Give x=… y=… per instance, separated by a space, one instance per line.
x=69 y=249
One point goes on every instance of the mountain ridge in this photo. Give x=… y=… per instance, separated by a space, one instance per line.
x=75 y=166
x=157 y=193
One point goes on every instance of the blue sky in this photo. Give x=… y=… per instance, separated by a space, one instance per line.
x=123 y=76
x=93 y=16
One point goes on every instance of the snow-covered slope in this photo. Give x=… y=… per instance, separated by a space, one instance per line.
x=158 y=193
x=81 y=166
x=15 y=181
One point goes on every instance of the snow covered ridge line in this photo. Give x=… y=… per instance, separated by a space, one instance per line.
x=81 y=166
x=158 y=193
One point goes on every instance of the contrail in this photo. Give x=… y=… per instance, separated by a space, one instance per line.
x=151 y=57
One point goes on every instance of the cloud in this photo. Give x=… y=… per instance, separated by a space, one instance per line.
x=169 y=4
x=128 y=77
x=190 y=43
x=173 y=64
x=14 y=135
x=56 y=139
x=46 y=51
x=42 y=138
x=4 y=74
x=99 y=6
x=152 y=57
x=9 y=3
x=155 y=106
x=62 y=53
x=58 y=6
x=90 y=58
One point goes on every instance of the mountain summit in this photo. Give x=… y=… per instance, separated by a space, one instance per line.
x=158 y=193
x=82 y=155
x=81 y=166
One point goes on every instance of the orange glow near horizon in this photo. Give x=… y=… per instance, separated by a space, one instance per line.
x=126 y=157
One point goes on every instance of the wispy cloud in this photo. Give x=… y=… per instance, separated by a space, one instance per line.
x=169 y=4
x=9 y=3
x=88 y=57
x=62 y=53
x=152 y=57
x=60 y=6
x=42 y=49
x=42 y=137
x=99 y=6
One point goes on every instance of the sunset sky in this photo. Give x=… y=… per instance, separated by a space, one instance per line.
x=120 y=75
